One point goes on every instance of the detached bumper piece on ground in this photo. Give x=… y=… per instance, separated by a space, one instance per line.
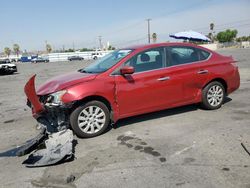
x=48 y=149
x=58 y=148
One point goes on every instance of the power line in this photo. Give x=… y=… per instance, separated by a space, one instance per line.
x=224 y=24
x=176 y=11
x=118 y=31
x=130 y=41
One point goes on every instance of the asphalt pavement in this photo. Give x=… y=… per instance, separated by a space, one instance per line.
x=181 y=147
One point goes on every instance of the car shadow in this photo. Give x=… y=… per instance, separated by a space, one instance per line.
x=227 y=99
x=160 y=114
x=155 y=115
x=6 y=74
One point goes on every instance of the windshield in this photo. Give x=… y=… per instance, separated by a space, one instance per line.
x=106 y=62
x=4 y=61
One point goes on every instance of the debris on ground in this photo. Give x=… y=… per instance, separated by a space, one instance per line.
x=244 y=147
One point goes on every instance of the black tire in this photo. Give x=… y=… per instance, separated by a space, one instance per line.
x=79 y=111
x=207 y=90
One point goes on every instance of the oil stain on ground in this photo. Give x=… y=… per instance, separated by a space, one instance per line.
x=9 y=121
x=138 y=145
x=240 y=115
x=66 y=174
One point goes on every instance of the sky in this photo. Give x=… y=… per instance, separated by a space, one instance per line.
x=78 y=23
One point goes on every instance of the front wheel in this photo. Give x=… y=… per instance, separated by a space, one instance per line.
x=213 y=96
x=90 y=119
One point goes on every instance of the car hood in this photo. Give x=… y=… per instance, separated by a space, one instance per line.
x=61 y=82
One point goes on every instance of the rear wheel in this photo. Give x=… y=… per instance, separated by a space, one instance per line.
x=213 y=96
x=90 y=119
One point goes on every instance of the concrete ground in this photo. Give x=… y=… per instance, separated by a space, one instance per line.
x=182 y=147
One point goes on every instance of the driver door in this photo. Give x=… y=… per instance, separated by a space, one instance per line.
x=149 y=88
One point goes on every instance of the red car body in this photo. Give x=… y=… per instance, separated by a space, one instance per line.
x=142 y=92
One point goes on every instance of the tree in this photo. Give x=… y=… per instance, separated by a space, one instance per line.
x=243 y=38
x=7 y=51
x=16 y=49
x=48 y=48
x=211 y=26
x=111 y=47
x=211 y=34
x=154 y=37
x=70 y=50
x=86 y=49
x=227 y=36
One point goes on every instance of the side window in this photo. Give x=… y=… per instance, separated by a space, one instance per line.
x=203 y=54
x=182 y=54
x=147 y=60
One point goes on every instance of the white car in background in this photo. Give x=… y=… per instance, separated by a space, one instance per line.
x=6 y=67
x=97 y=55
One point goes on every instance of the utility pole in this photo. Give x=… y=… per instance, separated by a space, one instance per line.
x=148 y=20
x=100 y=41
x=46 y=42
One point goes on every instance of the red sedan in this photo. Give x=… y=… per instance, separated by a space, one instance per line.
x=133 y=81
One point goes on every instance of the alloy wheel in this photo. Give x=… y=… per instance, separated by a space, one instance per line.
x=91 y=119
x=215 y=95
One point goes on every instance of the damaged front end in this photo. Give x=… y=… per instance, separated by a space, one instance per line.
x=55 y=142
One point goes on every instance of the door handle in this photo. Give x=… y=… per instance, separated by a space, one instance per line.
x=163 y=78
x=202 y=72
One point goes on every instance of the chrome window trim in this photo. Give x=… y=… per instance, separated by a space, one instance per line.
x=194 y=62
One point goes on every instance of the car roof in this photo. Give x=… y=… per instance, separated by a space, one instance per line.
x=155 y=45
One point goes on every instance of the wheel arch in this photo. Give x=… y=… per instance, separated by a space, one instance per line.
x=221 y=80
x=95 y=98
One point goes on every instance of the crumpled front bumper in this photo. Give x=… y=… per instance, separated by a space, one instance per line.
x=33 y=100
x=56 y=139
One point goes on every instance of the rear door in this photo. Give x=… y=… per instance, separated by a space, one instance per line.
x=186 y=64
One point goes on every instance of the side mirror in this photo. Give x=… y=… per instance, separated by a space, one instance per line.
x=127 y=70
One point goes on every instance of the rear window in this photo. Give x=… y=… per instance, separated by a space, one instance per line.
x=204 y=55
x=182 y=55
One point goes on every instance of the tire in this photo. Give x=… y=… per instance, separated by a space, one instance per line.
x=213 y=96
x=87 y=123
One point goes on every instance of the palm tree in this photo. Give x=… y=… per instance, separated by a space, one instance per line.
x=212 y=31
x=7 y=51
x=16 y=49
x=154 y=36
x=48 y=48
x=211 y=26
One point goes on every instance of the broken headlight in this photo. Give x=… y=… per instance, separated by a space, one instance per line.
x=55 y=98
